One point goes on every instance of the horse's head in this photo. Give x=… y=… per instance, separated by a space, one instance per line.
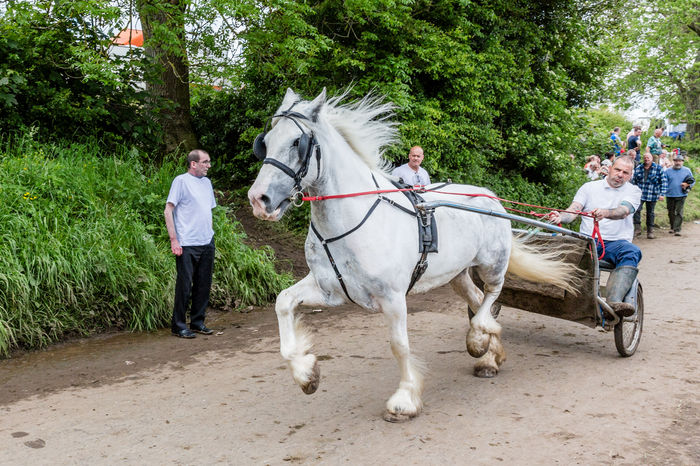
x=287 y=150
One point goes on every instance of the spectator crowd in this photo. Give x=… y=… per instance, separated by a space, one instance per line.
x=657 y=173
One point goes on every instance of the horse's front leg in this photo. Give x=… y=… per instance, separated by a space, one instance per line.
x=295 y=340
x=406 y=402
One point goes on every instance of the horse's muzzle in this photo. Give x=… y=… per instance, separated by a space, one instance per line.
x=262 y=207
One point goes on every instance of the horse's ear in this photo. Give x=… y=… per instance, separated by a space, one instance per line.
x=289 y=98
x=316 y=105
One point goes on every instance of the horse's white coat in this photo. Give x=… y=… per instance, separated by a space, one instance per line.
x=377 y=260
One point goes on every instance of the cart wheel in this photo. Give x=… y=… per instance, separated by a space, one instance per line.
x=495 y=310
x=628 y=331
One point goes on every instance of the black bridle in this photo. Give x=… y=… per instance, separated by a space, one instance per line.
x=306 y=144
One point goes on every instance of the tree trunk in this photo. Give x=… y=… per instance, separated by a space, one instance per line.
x=164 y=40
x=692 y=98
x=693 y=102
x=693 y=108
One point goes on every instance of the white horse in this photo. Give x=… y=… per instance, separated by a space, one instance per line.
x=324 y=148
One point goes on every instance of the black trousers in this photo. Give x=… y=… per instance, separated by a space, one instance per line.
x=674 y=205
x=194 y=272
x=637 y=217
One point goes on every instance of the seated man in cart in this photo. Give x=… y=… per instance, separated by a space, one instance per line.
x=612 y=201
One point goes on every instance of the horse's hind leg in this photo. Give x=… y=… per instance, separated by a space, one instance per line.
x=295 y=341
x=484 y=335
x=406 y=402
x=464 y=286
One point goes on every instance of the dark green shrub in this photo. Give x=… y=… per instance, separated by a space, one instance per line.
x=56 y=77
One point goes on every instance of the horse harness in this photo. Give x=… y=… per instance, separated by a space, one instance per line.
x=427 y=233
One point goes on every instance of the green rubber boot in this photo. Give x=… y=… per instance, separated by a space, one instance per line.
x=619 y=283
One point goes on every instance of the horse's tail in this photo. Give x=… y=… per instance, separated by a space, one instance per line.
x=536 y=265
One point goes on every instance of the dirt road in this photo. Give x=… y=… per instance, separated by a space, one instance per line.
x=564 y=396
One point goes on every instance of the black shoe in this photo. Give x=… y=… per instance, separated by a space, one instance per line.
x=204 y=330
x=184 y=333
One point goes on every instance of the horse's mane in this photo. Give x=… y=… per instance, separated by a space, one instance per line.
x=365 y=125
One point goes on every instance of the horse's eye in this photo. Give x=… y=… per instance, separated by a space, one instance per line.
x=296 y=143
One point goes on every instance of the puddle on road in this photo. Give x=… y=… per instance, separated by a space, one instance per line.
x=112 y=357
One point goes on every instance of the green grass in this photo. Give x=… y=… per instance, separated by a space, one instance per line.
x=83 y=246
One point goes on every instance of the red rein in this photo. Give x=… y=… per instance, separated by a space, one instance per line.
x=595 y=234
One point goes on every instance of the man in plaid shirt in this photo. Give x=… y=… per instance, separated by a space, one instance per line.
x=649 y=177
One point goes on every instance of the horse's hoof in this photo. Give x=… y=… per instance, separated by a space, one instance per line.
x=312 y=385
x=398 y=417
x=485 y=372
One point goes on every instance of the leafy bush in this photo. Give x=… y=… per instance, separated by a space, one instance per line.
x=56 y=76
x=594 y=132
x=226 y=123
x=84 y=248
x=485 y=87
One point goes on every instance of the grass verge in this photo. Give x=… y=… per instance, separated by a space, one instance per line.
x=83 y=246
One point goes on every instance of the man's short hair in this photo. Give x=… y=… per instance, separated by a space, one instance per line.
x=195 y=156
x=616 y=129
x=626 y=160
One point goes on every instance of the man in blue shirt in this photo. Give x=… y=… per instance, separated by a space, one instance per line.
x=635 y=142
x=617 y=144
x=649 y=177
x=680 y=180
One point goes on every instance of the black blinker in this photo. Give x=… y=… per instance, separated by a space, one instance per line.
x=259 y=148
x=304 y=141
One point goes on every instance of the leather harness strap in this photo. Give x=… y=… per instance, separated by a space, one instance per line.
x=427 y=235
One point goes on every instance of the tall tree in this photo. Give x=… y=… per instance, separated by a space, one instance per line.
x=662 y=58
x=163 y=23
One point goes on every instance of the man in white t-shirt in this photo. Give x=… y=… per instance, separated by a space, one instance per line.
x=612 y=201
x=412 y=173
x=188 y=219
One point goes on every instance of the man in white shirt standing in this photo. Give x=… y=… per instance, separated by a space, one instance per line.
x=412 y=173
x=612 y=201
x=189 y=222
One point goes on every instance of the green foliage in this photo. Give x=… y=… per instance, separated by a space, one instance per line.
x=596 y=125
x=56 y=76
x=485 y=89
x=603 y=120
x=83 y=246
x=227 y=123
x=691 y=147
x=661 y=58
